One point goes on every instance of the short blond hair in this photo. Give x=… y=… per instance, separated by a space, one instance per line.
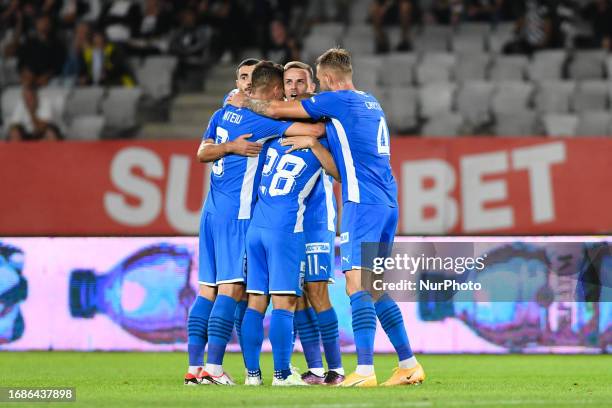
x=300 y=65
x=337 y=59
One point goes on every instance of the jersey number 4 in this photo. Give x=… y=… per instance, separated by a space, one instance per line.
x=383 y=138
x=286 y=170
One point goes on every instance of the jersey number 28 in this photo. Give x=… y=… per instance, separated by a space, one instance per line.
x=285 y=171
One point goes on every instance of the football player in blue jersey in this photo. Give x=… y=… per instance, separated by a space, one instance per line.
x=276 y=250
x=233 y=141
x=361 y=150
x=244 y=73
x=316 y=320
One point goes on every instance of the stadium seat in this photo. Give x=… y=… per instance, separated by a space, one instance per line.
x=470 y=38
x=474 y=101
x=445 y=124
x=436 y=98
x=547 y=64
x=315 y=44
x=398 y=69
x=511 y=96
x=594 y=124
x=432 y=38
x=359 y=11
x=84 y=101
x=587 y=65
x=10 y=98
x=500 y=36
x=435 y=67
x=8 y=72
x=509 y=68
x=523 y=123
x=333 y=30
x=357 y=42
x=86 y=127
x=401 y=108
x=471 y=66
x=590 y=95
x=58 y=97
x=120 y=108
x=554 y=96
x=155 y=76
x=367 y=70
x=560 y=124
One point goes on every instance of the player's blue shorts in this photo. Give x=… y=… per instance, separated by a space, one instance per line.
x=365 y=223
x=320 y=252
x=222 y=250
x=276 y=262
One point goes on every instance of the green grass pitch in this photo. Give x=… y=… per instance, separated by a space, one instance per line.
x=155 y=380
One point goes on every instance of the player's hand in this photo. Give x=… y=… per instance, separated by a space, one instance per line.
x=298 y=142
x=236 y=99
x=243 y=147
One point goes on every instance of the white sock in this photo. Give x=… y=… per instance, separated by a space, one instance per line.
x=194 y=370
x=365 y=369
x=214 y=369
x=317 y=371
x=408 y=363
x=338 y=370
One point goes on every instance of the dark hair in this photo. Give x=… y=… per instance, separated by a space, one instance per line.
x=246 y=63
x=300 y=65
x=267 y=73
x=337 y=59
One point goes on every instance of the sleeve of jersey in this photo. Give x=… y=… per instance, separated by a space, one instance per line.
x=210 y=132
x=270 y=128
x=321 y=105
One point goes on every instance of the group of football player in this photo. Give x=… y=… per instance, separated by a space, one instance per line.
x=268 y=226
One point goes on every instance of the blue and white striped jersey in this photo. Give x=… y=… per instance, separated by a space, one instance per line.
x=359 y=144
x=286 y=186
x=234 y=179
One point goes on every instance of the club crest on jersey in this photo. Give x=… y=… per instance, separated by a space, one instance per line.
x=344 y=237
x=317 y=248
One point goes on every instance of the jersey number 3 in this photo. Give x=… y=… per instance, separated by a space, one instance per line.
x=285 y=171
x=222 y=137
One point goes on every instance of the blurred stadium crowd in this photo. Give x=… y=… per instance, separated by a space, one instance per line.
x=81 y=69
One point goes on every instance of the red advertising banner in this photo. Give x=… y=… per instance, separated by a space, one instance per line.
x=446 y=186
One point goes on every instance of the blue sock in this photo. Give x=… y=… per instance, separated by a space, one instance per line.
x=306 y=325
x=281 y=327
x=392 y=322
x=197 y=324
x=328 y=324
x=220 y=326
x=252 y=338
x=238 y=318
x=364 y=326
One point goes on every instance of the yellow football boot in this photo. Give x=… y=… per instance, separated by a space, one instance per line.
x=358 y=380
x=406 y=376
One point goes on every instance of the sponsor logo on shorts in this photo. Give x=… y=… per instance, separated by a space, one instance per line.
x=317 y=248
x=344 y=237
x=302 y=270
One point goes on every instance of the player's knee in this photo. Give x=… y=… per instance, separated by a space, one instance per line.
x=302 y=303
x=285 y=302
x=208 y=292
x=258 y=302
x=353 y=281
x=318 y=295
x=233 y=290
